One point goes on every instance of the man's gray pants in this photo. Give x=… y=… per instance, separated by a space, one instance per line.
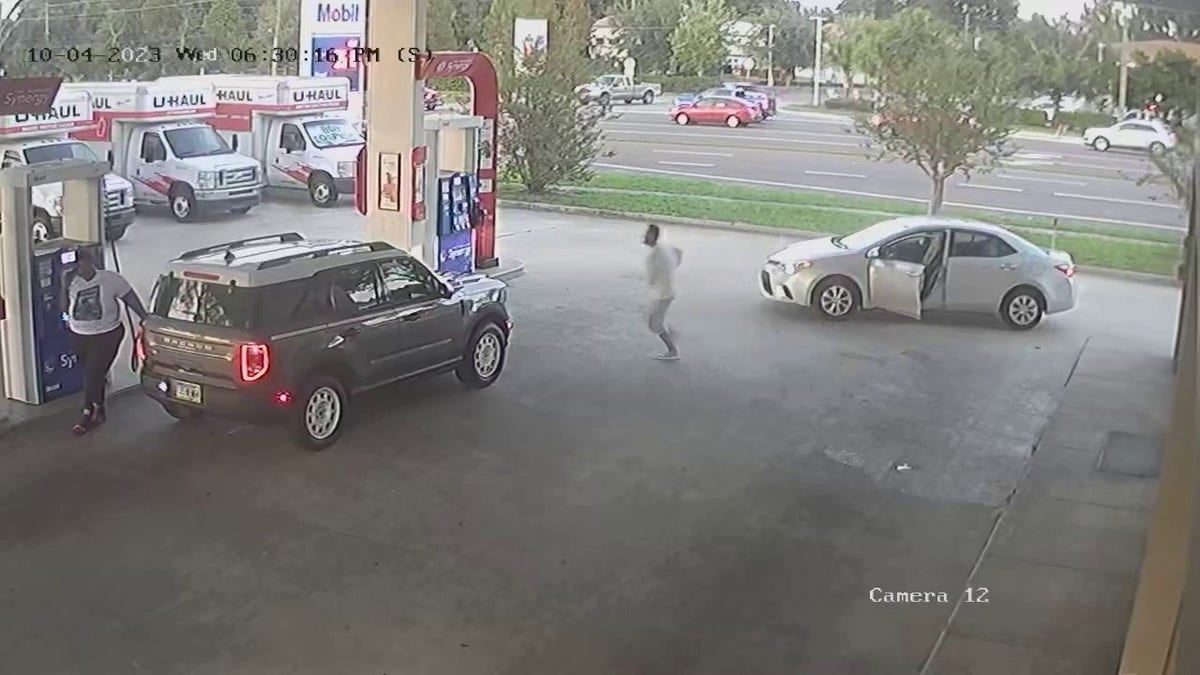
x=658 y=315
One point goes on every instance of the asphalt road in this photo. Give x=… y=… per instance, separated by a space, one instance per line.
x=821 y=152
x=595 y=512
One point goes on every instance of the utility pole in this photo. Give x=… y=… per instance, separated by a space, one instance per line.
x=275 y=39
x=771 y=55
x=1123 y=81
x=817 y=62
x=46 y=20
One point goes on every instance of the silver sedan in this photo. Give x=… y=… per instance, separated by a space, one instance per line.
x=922 y=263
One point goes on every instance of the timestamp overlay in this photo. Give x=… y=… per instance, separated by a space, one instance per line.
x=349 y=56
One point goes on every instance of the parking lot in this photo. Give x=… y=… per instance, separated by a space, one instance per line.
x=594 y=512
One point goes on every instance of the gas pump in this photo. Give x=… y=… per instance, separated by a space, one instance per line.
x=38 y=361
x=457 y=203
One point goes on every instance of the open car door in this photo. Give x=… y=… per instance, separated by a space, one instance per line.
x=896 y=286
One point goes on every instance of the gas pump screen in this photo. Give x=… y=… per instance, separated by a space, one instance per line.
x=67 y=257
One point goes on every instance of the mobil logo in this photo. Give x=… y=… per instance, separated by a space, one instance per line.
x=325 y=95
x=233 y=96
x=178 y=101
x=328 y=12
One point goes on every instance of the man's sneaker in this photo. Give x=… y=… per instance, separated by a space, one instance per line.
x=667 y=357
x=84 y=424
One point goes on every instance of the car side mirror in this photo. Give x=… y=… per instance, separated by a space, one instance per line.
x=445 y=290
x=873 y=253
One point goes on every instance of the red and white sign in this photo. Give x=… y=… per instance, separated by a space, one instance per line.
x=71 y=111
x=29 y=95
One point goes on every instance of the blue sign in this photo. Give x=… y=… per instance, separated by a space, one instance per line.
x=60 y=373
x=334 y=56
x=456 y=252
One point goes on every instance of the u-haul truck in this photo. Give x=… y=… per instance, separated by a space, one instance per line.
x=158 y=137
x=37 y=139
x=297 y=127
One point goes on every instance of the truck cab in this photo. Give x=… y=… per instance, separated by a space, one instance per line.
x=158 y=137
x=38 y=139
x=296 y=127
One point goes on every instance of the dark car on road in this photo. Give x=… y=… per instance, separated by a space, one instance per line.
x=283 y=328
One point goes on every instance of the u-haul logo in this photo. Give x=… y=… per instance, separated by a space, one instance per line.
x=178 y=101
x=233 y=96
x=317 y=96
x=57 y=113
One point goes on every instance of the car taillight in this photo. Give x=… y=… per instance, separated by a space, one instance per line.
x=1067 y=270
x=254 y=360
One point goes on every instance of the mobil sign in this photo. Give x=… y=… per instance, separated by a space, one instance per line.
x=337 y=17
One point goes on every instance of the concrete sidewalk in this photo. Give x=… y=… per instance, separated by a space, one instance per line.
x=1060 y=571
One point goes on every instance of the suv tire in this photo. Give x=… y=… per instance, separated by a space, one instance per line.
x=483 y=358
x=320 y=413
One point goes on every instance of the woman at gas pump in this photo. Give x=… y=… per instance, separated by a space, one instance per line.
x=94 y=318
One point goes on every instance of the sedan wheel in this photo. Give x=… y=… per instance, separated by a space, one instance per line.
x=1101 y=143
x=836 y=299
x=682 y=119
x=1022 y=309
x=1157 y=148
x=733 y=122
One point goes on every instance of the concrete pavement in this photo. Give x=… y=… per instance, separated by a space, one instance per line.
x=594 y=512
x=826 y=154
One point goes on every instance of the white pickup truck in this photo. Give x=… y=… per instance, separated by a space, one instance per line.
x=608 y=88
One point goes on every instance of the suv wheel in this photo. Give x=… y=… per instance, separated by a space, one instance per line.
x=483 y=359
x=320 y=414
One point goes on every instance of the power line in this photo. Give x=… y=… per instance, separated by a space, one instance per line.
x=244 y=4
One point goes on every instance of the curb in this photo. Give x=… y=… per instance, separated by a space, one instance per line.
x=1126 y=275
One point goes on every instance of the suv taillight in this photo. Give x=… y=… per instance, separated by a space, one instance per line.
x=1067 y=270
x=253 y=361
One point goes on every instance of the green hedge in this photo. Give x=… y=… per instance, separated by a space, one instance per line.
x=1031 y=118
x=1081 y=120
x=685 y=84
x=858 y=105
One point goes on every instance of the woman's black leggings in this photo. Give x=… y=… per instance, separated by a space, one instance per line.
x=96 y=355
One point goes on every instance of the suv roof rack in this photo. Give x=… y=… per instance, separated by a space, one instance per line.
x=348 y=247
x=284 y=238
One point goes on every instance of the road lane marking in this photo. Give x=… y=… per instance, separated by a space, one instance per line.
x=767 y=139
x=898 y=198
x=989 y=187
x=1041 y=180
x=702 y=154
x=835 y=174
x=706 y=166
x=1114 y=200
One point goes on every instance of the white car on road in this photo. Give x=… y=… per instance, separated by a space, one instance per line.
x=916 y=264
x=1136 y=134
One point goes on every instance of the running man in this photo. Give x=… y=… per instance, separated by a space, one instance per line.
x=660 y=273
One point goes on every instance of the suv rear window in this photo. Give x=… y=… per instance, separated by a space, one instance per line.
x=204 y=303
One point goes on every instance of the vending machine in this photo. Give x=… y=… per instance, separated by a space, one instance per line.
x=60 y=373
x=457 y=210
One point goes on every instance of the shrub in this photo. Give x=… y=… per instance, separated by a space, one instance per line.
x=1081 y=120
x=685 y=84
x=1031 y=118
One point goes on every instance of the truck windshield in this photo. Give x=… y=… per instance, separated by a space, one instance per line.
x=200 y=141
x=52 y=153
x=332 y=133
x=208 y=304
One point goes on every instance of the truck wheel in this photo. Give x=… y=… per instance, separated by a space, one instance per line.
x=322 y=191
x=183 y=203
x=648 y=98
x=42 y=228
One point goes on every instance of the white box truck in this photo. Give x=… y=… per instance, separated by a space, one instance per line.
x=297 y=127
x=37 y=139
x=158 y=136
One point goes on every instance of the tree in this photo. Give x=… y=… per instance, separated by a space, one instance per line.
x=841 y=45
x=644 y=31
x=793 y=39
x=283 y=15
x=974 y=15
x=439 y=26
x=946 y=106
x=468 y=22
x=1170 y=74
x=1059 y=59
x=874 y=9
x=698 y=42
x=224 y=27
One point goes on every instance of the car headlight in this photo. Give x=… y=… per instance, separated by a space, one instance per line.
x=56 y=206
x=346 y=169
x=793 y=267
x=206 y=180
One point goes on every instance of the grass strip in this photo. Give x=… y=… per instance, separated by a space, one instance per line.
x=1118 y=254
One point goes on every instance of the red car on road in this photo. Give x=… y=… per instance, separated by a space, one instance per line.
x=732 y=112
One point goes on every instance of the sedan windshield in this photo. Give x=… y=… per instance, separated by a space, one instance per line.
x=868 y=237
x=53 y=153
x=332 y=133
x=199 y=141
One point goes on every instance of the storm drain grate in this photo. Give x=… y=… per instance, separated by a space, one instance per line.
x=1127 y=454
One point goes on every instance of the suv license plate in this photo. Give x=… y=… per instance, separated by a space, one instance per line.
x=186 y=391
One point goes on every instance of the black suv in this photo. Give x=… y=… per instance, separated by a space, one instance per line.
x=287 y=328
